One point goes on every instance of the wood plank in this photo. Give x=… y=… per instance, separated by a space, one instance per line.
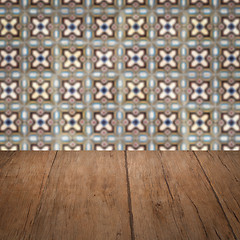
x=22 y=179
x=86 y=198
x=5 y=157
x=172 y=199
x=223 y=172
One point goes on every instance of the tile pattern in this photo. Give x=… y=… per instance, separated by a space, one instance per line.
x=119 y=74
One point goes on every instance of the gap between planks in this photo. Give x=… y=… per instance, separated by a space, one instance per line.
x=129 y=198
x=44 y=189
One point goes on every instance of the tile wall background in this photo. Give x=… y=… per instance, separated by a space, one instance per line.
x=119 y=74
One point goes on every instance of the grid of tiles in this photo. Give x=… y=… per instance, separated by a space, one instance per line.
x=119 y=74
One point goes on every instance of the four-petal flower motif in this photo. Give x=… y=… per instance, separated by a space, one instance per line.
x=99 y=147
x=167 y=122
x=72 y=122
x=135 y=122
x=8 y=122
x=230 y=1
x=167 y=90
x=130 y=2
x=73 y=147
x=231 y=58
x=8 y=90
x=72 y=58
x=41 y=58
x=109 y=2
x=231 y=26
x=136 y=27
x=204 y=2
x=136 y=90
x=40 y=90
x=199 y=122
x=40 y=122
x=40 y=26
x=231 y=122
x=36 y=2
x=9 y=1
x=167 y=58
x=199 y=27
x=174 y=2
x=135 y=58
x=104 y=122
x=199 y=58
x=167 y=26
x=231 y=91
x=9 y=27
x=104 y=27
x=72 y=27
x=104 y=59
x=199 y=91
x=66 y=2
x=9 y=58
x=71 y=90
x=104 y=90
x=45 y=147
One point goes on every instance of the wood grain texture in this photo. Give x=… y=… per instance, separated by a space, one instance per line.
x=172 y=198
x=85 y=198
x=22 y=179
x=5 y=157
x=119 y=195
x=222 y=170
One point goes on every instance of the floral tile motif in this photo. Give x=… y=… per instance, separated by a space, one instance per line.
x=119 y=75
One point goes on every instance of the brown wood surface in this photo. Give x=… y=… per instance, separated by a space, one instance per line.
x=86 y=198
x=119 y=195
x=222 y=170
x=22 y=179
x=172 y=199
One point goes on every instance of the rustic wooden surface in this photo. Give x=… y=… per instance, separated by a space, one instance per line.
x=225 y=184
x=85 y=198
x=119 y=195
x=23 y=176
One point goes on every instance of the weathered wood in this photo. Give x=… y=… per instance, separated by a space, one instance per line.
x=223 y=172
x=85 y=198
x=22 y=179
x=172 y=198
x=5 y=157
x=83 y=195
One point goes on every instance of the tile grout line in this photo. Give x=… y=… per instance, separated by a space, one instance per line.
x=215 y=194
x=129 y=199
